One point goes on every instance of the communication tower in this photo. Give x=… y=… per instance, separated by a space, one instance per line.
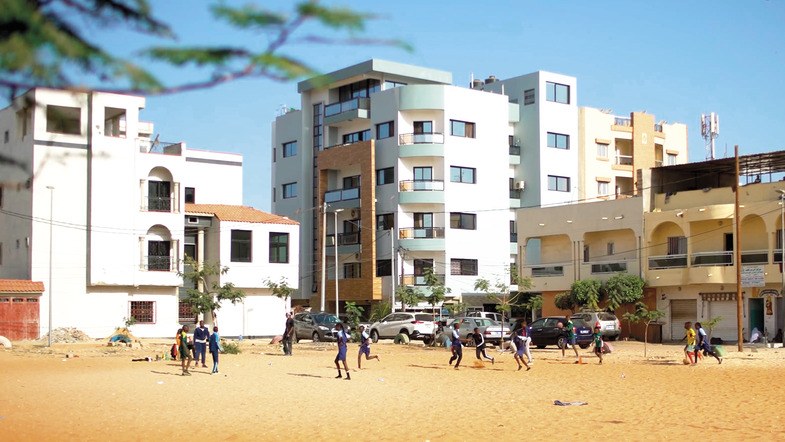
x=710 y=130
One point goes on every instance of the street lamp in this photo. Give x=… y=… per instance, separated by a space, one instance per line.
x=335 y=243
x=782 y=238
x=51 y=206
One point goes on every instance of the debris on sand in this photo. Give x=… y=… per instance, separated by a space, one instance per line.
x=66 y=335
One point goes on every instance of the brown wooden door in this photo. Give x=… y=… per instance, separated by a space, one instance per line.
x=19 y=317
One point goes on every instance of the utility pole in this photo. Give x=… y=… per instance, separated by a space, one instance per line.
x=51 y=206
x=737 y=256
x=323 y=240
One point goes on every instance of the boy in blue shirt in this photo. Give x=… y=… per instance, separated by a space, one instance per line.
x=215 y=348
x=365 y=348
x=342 y=339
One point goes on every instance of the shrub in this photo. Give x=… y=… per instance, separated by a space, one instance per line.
x=231 y=347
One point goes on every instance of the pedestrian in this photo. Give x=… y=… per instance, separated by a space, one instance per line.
x=689 y=349
x=185 y=354
x=519 y=339
x=479 y=345
x=703 y=344
x=568 y=333
x=176 y=346
x=215 y=348
x=288 y=335
x=527 y=343
x=457 y=345
x=598 y=344
x=365 y=348
x=201 y=334
x=342 y=339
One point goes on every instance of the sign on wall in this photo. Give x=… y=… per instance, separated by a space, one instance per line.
x=752 y=276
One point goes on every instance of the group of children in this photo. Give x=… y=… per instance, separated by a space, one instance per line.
x=365 y=349
x=200 y=343
x=697 y=340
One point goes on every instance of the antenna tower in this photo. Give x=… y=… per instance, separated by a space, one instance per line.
x=710 y=130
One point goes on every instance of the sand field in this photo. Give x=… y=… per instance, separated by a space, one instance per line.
x=410 y=395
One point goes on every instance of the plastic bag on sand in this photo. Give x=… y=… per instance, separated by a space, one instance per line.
x=566 y=404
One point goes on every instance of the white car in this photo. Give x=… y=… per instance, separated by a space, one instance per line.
x=493 y=316
x=415 y=325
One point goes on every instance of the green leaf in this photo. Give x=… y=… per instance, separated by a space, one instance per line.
x=248 y=16
x=286 y=66
x=336 y=18
x=198 y=56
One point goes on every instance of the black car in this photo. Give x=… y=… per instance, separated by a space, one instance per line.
x=544 y=331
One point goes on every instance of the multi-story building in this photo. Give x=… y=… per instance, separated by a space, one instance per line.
x=678 y=234
x=111 y=197
x=613 y=148
x=409 y=165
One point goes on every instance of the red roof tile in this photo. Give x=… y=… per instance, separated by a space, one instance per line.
x=20 y=286
x=237 y=213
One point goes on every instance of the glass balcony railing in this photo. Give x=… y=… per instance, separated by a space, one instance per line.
x=515 y=194
x=658 y=128
x=430 y=138
x=346 y=106
x=351 y=193
x=668 y=261
x=515 y=150
x=622 y=122
x=421 y=232
x=418 y=185
x=608 y=267
x=545 y=271
x=514 y=237
x=147 y=145
x=755 y=257
x=712 y=259
x=624 y=160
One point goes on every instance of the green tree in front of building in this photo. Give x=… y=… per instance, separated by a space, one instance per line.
x=207 y=295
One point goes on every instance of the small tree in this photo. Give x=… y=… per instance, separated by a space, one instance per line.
x=354 y=312
x=711 y=323
x=456 y=308
x=437 y=290
x=408 y=296
x=565 y=301
x=623 y=288
x=643 y=314
x=586 y=292
x=534 y=303
x=500 y=292
x=379 y=311
x=280 y=289
x=206 y=297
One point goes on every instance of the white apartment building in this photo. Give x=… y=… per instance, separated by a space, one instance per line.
x=613 y=148
x=111 y=196
x=418 y=174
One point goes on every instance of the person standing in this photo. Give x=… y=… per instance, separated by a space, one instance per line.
x=479 y=345
x=457 y=345
x=342 y=339
x=571 y=339
x=519 y=339
x=703 y=344
x=598 y=344
x=201 y=334
x=185 y=354
x=288 y=335
x=527 y=343
x=215 y=348
x=365 y=348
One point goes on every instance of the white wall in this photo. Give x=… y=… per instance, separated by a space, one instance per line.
x=215 y=176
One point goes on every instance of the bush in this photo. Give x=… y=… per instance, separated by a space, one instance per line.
x=231 y=347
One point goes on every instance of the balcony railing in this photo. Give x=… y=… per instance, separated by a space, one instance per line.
x=346 y=106
x=545 y=271
x=158 y=263
x=624 y=160
x=351 y=193
x=344 y=239
x=658 y=128
x=515 y=150
x=668 y=261
x=608 y=267
x=421 y=232
x=777 y=256
x=147 y=145
x=755 y=257
x=622 y=122
x=431 y=138
x=333 y=146
x=712 y=259
x=515 y=194
x=418 y=185
x=157 y=204
x=419 y=280
x=514 y=237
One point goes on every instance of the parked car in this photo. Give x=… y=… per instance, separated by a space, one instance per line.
x=608 y=322
x=544 y=332
x=467 y=325
x=415 y=325
x=495 y=316
x=317 y=326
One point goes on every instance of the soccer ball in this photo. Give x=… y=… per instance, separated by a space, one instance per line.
x=685 y=361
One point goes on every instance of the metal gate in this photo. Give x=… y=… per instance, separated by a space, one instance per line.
x=682 y=310
x=19 y=317
x=726 y=329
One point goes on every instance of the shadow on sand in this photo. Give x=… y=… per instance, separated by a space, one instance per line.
x=306 y=375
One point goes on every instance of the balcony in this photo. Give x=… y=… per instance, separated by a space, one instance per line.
x=623 y=160
x=347 y=111
x=515 y=150
x=608 y=267
x=658 y=128
x=147 y=145
x=158 y=264
x=712 y=259
x=547 y=271
x=668 y=261
x=422 y=238
x=513 y=237
x=421 y=232
x=157 y=204
x=421 y=185
x=419 y=280
x=755 y=257
x=421 y=145
x=626 y=122
x=332 y=196
x=421 y=192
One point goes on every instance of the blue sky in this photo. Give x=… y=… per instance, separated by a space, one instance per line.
x=674 y=59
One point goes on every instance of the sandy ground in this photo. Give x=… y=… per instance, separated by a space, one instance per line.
x=410 y=395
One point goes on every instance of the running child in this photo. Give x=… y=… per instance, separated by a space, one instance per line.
x=689 y=335
x=457 y=345
x=520 y=342
x=479 y=345
x=598 y=342
x=215 y=347
x=365 y=348
x=342 y=339
x=703 y=344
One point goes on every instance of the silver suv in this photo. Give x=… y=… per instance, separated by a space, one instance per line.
x=415 y=325
x=608 y=322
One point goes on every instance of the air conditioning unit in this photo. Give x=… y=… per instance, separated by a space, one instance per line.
x=355 y=213
x=520 y=185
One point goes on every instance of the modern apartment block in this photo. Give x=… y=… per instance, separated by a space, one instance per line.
x=83 y=170
x=678 y=234
x=416 y=173
x=613 y=148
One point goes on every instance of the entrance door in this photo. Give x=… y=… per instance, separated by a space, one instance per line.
x=682 y=310
x=19 y=317
x=756 y=316
x=726 y=328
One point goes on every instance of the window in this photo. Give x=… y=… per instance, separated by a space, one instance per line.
x=317 y=126
x=63 y=120
x=385 y=221
x=385 y=130
x=158 y=258
x=671 y=159
x=463 y=266
x=114 y=122
x=460 y=174
x=392 y=84
x=352 y=270
x=279 y=247
x=23 y=121
x=462 y=129
x=528 y=97
x=350 y=182
x=6 y=137
x=611 y=249
x=185 y=312
x=677 y=245
x=586 y=254
x=289 y=149
x=558 y=93
x=558 y=183
x=1 y=253
x=423 y=220
x=463 y=221
x=423 y=173
x=143 y=312
x=603 y=188
x=513 y=231
x=383 y=267
x=385 y=176
x=241 y=246
x=190 y=195
x=290 y=190
x=355 y=137
x=423 y=127
x=602 y=150
x=558 y=141
x=360 y=89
